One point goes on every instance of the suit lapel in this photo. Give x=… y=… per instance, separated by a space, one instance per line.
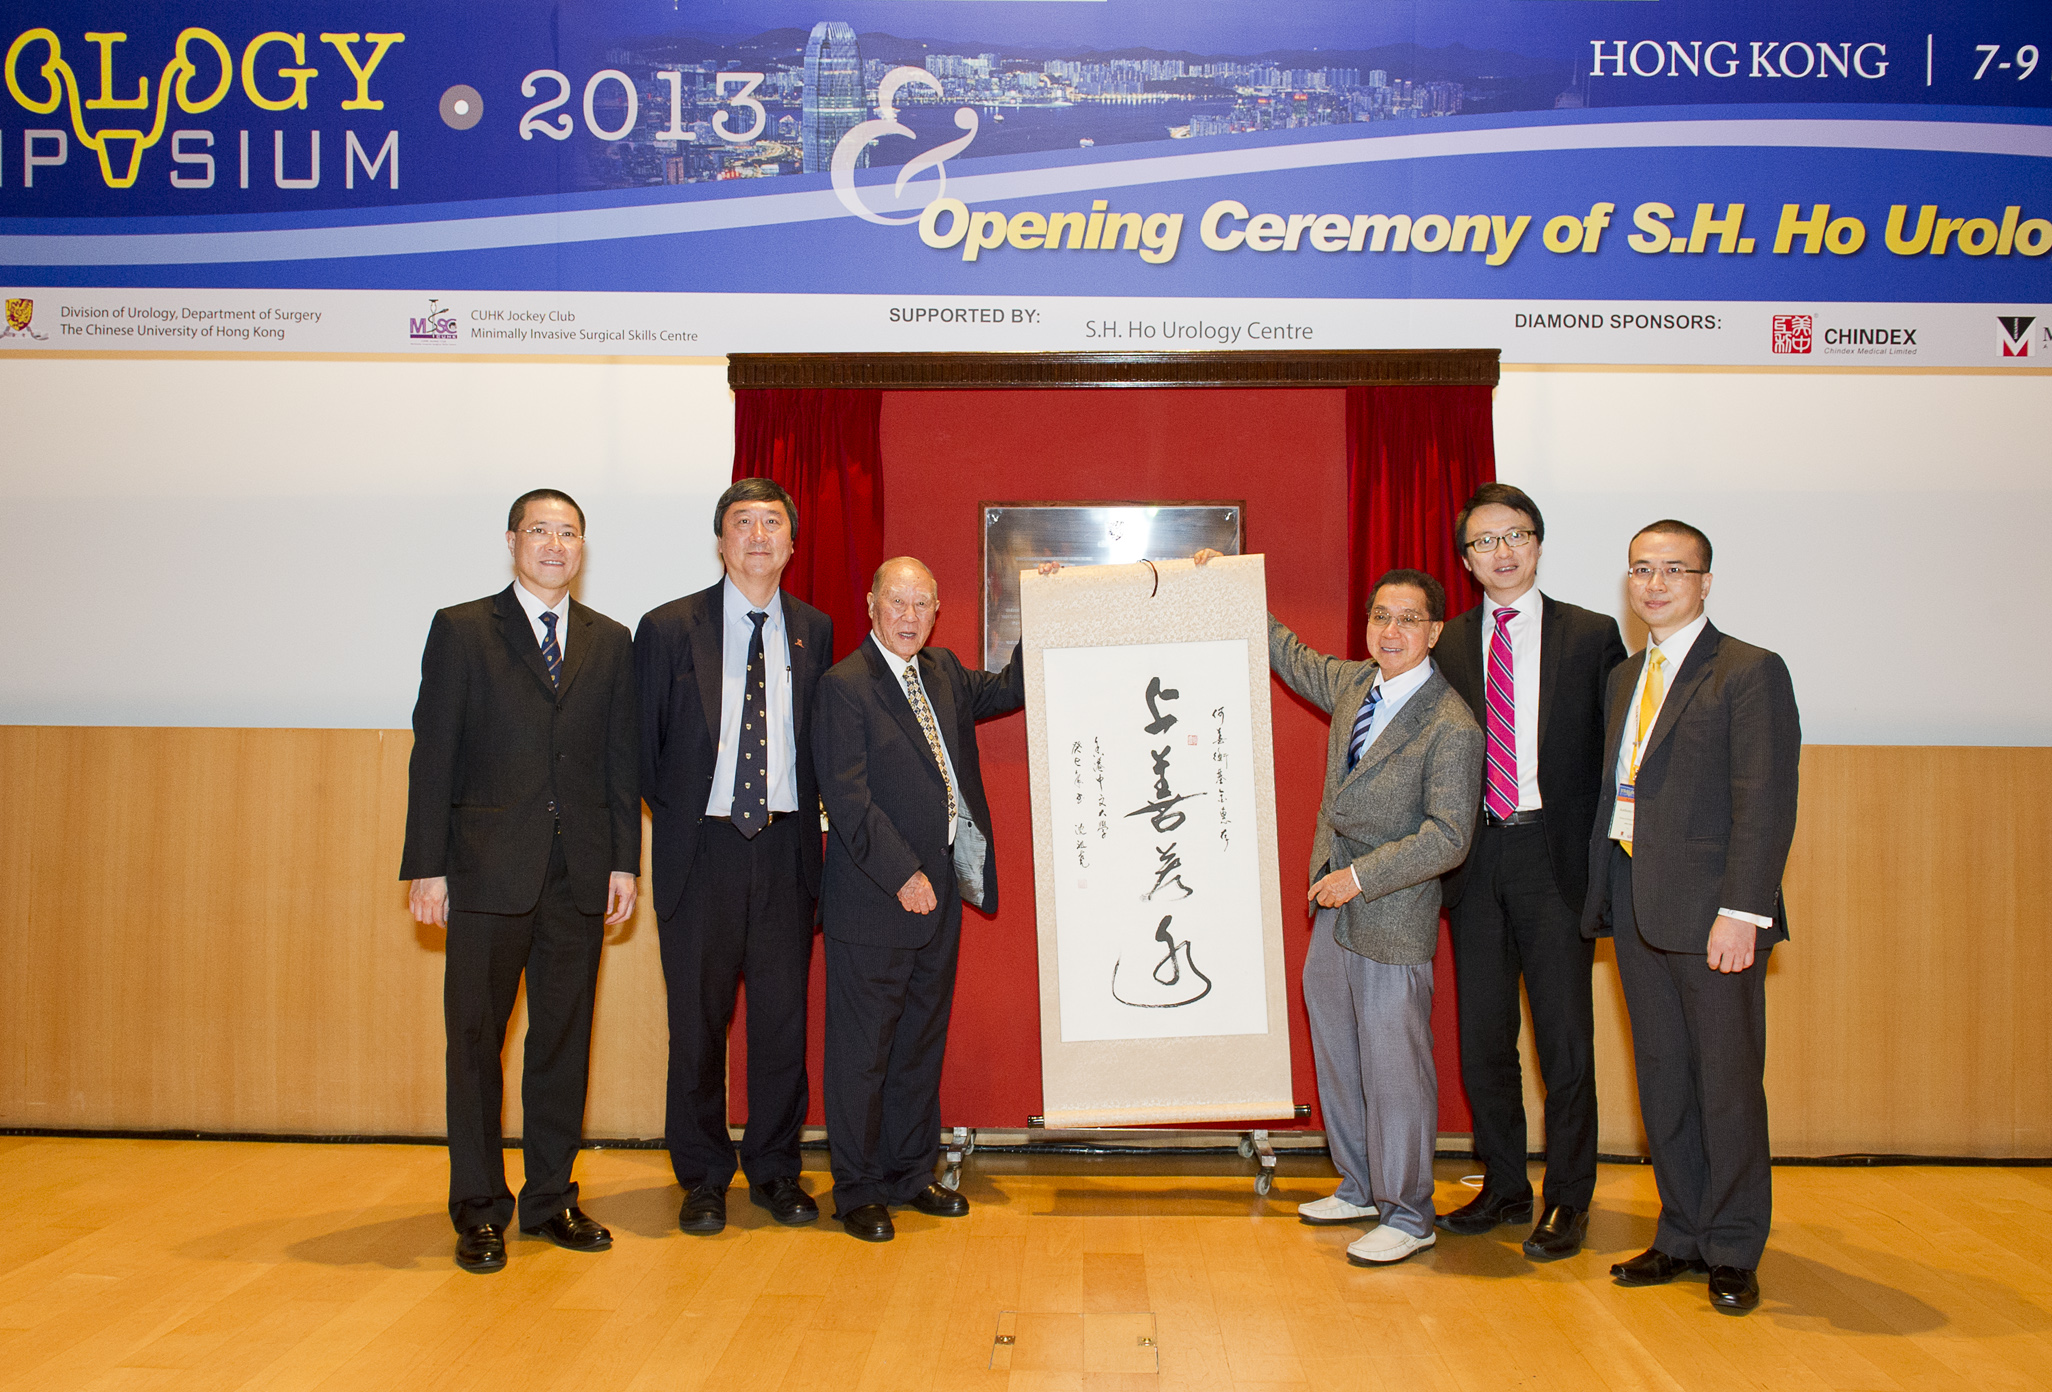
x=893 y=698
x=1694 y=669
x=1625 y=680
x=518 y=631
x=576 y=616
x=940 y=694
x=709 y=657
x=802 y=660
x=1551 y=645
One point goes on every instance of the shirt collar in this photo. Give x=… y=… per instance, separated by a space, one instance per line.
x=738 y=608
x=534 y=608
x=892 y=660
x=1676 y=648
x=1525 y=604
x=1400 y=688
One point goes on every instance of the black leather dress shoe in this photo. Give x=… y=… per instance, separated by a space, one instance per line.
x=704 y=1211
x=787 y=1203
x=1653 y=1267
x=481 y=1248
x=1485 y=1211
x=1559 y=1233
x=573 y=1229
x=871 y=1222
x=1733 y=1289
x=940 y=1201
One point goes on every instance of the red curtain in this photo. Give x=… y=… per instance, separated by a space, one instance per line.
x=1414 y=454
x=824 y=447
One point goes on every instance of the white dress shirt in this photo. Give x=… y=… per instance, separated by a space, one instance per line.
x=898 y=665
x=1395 y=692
x=534 y=609
x=736 y=630
x=1524 y=640
x=1676 y=650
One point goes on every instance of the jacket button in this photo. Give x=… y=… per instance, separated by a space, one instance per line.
x=552 y=807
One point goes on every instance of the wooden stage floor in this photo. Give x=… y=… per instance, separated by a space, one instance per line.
x=155 y=1264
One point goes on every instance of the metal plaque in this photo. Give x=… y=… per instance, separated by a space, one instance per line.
x=1019 y=536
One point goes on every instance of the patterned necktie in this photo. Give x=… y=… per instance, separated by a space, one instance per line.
x=750 y=812
x=1358 y=743
x=932 y=731
x=1649 y=708
x=552 y=653
x=1500 y=788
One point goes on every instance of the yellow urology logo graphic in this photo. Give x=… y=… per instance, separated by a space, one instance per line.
x=176 y=83
x=19 y=313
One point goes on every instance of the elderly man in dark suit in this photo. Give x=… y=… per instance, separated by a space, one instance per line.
x=1532 y=669
x=895 y=742
x=1403 y=771
x=1685 y=871
x=727 y=678
x=523 y=833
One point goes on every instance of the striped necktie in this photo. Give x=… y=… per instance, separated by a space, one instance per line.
x=1649 y=710
x=552 y=652
x=931 y=731
x=1358 y=743
x=1500 y=787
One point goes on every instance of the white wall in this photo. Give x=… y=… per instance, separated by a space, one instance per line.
x=249 y=543
x=1877 y=531
x=257 y=543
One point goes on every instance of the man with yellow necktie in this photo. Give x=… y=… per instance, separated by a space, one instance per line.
x=1685 y=873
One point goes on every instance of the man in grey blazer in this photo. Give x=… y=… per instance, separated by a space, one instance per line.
x=1402 y=779
x=1685 y=874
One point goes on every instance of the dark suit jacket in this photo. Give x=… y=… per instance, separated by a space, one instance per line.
x=1716 y=795
x=886 y=803
x=679 y=665
x=1578 y=650
x=501 y=758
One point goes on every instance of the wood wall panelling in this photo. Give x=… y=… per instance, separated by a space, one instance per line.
x=208 y=935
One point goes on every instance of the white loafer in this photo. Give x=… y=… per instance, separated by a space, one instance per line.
x=1331 y=1210
x=1383 y=1244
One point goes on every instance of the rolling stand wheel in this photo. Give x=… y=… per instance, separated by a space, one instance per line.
x=1255 y=1144
x=962 y=1143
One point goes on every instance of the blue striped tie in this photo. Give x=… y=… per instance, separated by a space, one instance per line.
x=551 y=653
x=1359 y=743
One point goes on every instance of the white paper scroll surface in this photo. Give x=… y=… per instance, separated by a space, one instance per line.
x=1160 y=922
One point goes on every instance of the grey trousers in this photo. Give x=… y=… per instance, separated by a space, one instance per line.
x=1371 y=1033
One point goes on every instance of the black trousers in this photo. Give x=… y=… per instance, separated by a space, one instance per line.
x=1700 y=1040
x=745 y=915
x=887 y=1036
x=558 y=948
x=1512 y=923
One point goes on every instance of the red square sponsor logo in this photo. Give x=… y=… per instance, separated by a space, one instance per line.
x=1792 y=333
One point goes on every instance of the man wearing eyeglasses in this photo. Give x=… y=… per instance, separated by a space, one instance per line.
x=1403 y=770
x=523 y=836
x=1532 y=669
x=727 y=680
x=1701 y=743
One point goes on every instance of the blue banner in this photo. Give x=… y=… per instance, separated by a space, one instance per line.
x=1653 y=158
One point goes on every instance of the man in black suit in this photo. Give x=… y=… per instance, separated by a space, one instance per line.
x=727 y=677
x=1532 y=669
x=1702 y=740
x=523 y=831
x=909 y=839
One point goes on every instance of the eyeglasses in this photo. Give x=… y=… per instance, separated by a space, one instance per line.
x=1517 y=538
x=1643 y=573
x=568 y=536
x=1406 y=622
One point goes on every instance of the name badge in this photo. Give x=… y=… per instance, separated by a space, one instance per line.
x=1621 y=813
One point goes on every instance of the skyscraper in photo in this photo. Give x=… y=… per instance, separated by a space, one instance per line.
x=833 y=91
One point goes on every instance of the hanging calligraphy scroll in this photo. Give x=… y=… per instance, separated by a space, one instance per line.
x=1159 y=903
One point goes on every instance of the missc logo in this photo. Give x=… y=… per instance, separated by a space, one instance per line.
x=438 y=324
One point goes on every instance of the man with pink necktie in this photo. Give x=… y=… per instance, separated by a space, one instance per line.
x=1532 y=669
